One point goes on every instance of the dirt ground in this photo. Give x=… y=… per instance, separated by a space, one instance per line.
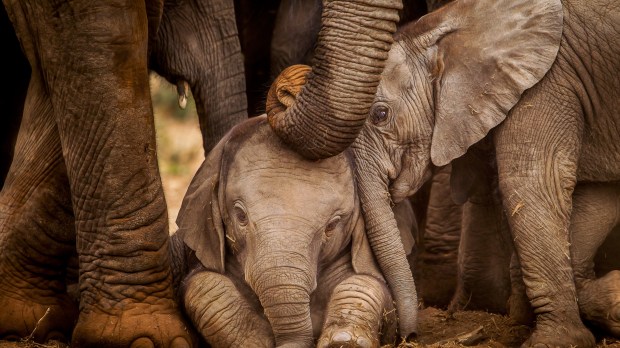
x=436 y=330
x=180 y=154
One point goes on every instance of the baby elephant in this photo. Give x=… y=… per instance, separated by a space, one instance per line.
x=281 y=255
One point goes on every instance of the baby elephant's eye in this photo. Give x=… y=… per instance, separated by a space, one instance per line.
x=240 y=214
x=379 y=114
x=331 y=226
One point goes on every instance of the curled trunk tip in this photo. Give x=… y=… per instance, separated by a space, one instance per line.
x=283 y=92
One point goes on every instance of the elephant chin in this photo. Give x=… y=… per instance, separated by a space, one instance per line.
x=405 y=185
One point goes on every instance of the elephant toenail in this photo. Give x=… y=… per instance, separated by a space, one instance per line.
x=341 y=336
x=180 y=342
x=142 y=342
x=363 y=342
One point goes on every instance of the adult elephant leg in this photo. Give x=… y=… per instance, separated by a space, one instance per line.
x=537 y=150
x=197 y=42
x=37 y=235
x=595 y=213
x=16 y=74
x=436 y=267
x=485 y=246
x=93 y=60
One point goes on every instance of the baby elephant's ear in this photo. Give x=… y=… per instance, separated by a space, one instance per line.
x=487 y=54
x=361 y=255
x=200 y=219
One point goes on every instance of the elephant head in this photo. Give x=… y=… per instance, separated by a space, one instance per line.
x=450 y=78
x=257 y=204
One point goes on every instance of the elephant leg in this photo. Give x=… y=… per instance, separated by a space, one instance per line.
x=519 y=307
x=37 y=235
x=436 y=266
x=537 y=150
x=92 y=58
x=595 y=213
x=484 y=256
x=197 y=42
x=357 y=308
x=224 y=315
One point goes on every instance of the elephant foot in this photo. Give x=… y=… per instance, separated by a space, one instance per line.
x=520 y=310
x=599 y=302
x=41 y=320
x=560 y=334
x=139 y=325
x=348 y=336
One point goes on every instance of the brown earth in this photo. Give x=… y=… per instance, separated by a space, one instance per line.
x=180 y=155
x=437 y=330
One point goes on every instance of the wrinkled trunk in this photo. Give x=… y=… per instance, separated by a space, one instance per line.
x=385 y=241
x=352 y=48
x=283 y=288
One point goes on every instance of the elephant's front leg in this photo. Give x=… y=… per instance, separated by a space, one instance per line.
x=537 y=152
x=37 y=235
x=355 y=312
x=92 y=58
x=222 y=314
x=595 y=213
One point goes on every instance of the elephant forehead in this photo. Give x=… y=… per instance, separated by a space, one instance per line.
x=396 y=75
x=269 y=173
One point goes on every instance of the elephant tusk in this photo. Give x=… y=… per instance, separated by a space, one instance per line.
x=182 y=90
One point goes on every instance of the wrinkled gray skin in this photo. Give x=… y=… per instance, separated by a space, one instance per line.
x=596 y=212
x=434 y=265
x=485 y=248
x=293 y=42
x=278 y=254
x=543 y=83
x=85 y=173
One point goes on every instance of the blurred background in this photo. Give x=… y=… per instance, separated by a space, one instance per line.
x=179 y=143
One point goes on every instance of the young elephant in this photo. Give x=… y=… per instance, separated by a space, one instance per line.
x=538 y=83
x=280 y=250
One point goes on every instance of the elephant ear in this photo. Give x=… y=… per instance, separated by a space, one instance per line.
x=200 y=221
x=362 y=258
x=488 y=52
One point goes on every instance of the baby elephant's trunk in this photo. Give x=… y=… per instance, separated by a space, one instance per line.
x=283 y=284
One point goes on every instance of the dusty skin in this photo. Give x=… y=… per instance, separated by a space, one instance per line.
x=180 y=154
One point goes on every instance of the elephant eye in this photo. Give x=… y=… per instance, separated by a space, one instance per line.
x=331 y=226
x=240 y=214
x=379 y=114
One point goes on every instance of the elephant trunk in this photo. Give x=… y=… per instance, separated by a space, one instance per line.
x=283 y=289
x=352 y=48
x=385 y=241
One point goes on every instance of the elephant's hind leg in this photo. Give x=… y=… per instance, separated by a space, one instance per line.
x=37 y=235
x=357 y=308
x=537 y=149
x=596 y=210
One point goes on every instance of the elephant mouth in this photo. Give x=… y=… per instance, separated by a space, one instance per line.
x=406 y=185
